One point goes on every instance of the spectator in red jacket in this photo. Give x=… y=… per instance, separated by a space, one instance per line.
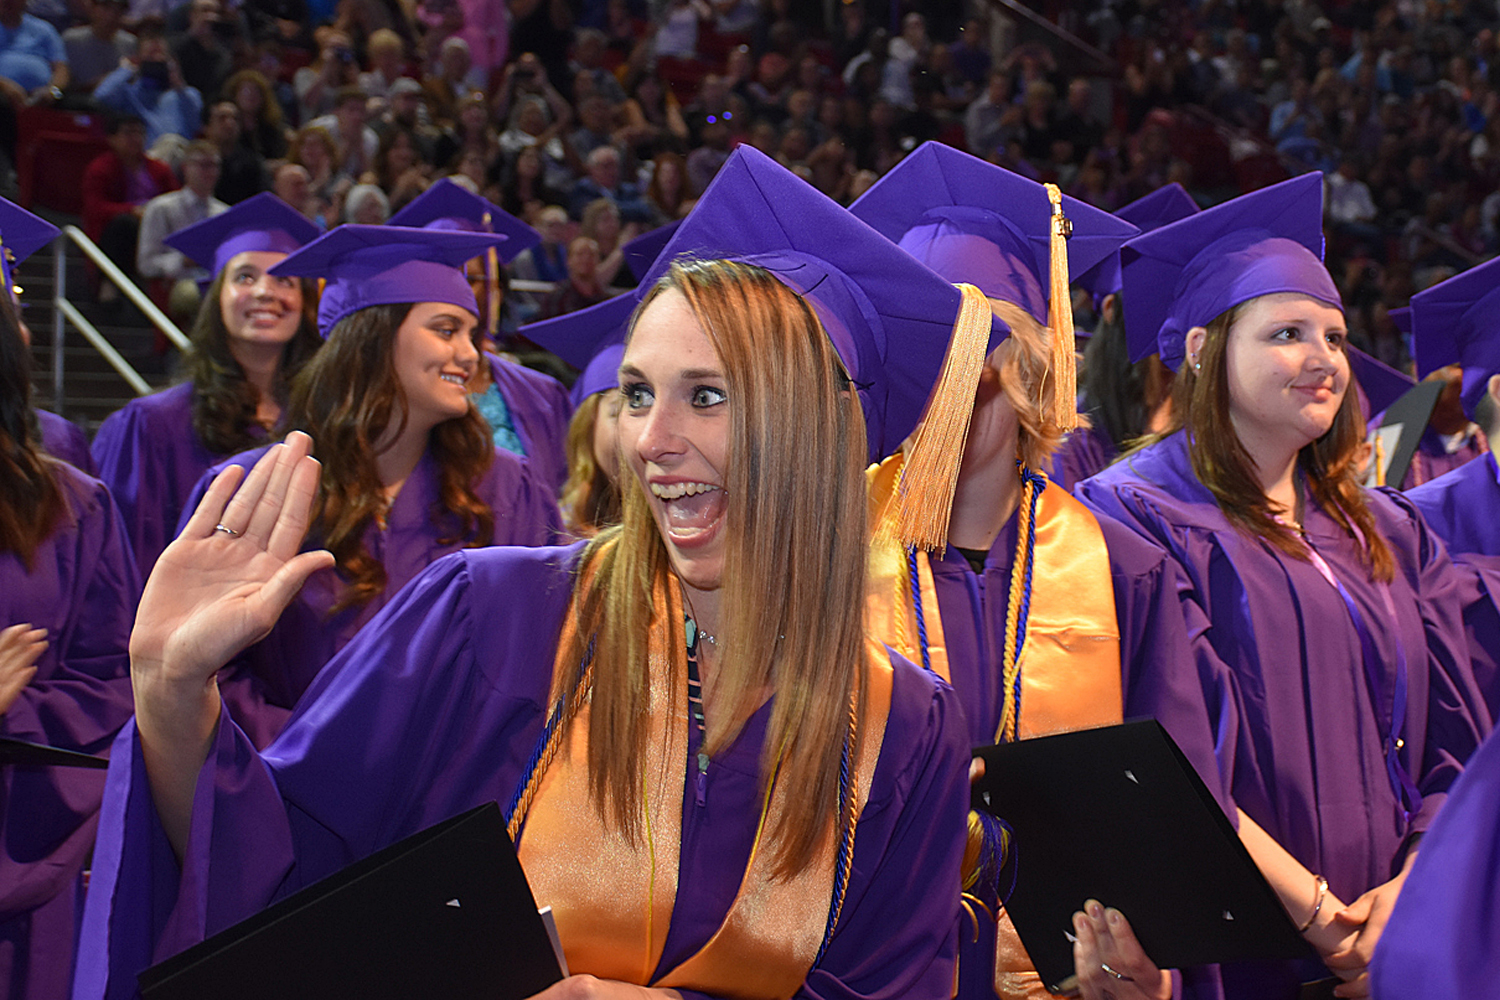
x=116 y=187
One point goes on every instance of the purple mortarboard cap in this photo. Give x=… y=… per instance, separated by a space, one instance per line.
x=971 y=221
x=1188 y=272
x=446 y=205
x=601 y=373
x=21 y=235
x=1456 y=322
x=1401 y=319
x=379 y=265
x=888 y=316
x=581 y=338
x=1379 y=384
x=263 y=223
x=641 y=252
x=1161 y=207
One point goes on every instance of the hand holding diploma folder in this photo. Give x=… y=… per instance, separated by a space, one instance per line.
x=1118 y=815
x=444 y=913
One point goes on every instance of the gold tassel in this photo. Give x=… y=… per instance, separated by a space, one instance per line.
x=1060 y=320
x=491 y=285
x=930 y=473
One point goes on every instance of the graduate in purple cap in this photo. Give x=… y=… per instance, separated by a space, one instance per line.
x=1124 y=400
x=527 y=411
x=1043 y=616
x=742 y=796
x=253 y=333
x=1450 y=439
x=409 y=470
x=592 y=340
x=68 y=591
x=1345 y=706
x=1454 y=323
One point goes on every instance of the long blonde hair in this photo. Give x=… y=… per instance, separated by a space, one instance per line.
x=793 y=583
x=590 y=500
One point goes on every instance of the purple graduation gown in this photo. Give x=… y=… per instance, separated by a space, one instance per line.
x=1082 y=454
x=446 y=692
x=83 y=590
x=1161 y=661
x=150 y=458
x=1463 y=508
x=1442 y=941
x=65 y=440
x=1299 y=737
x=262 y=685
x=540 y=411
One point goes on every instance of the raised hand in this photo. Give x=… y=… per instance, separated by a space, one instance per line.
x=221 y=585
x=20 y=646
x=1108 y=960
x=215 y=590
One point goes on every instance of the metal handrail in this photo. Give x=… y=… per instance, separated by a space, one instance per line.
x=65 y=312
x=1062 y=34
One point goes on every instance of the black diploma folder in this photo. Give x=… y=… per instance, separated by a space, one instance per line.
x=444 y=913
x=23 y=754
x=1118 y=814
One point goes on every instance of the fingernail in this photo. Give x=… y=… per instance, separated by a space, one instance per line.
x=1113 y=916
x=1078 y=919
x=1096 y=911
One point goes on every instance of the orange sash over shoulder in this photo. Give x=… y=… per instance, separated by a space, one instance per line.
x=1070 y=664
x=613 y=899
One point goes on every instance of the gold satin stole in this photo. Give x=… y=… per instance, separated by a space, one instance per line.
x=612 y=898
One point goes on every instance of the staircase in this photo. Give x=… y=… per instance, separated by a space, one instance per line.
x=92 y=390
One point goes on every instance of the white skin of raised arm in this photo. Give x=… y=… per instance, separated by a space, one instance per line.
x=211 y=594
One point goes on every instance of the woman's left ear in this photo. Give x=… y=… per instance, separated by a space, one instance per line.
x=1193 y=344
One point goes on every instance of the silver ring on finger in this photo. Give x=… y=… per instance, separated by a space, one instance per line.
x=1117 y=975
x=221 y=526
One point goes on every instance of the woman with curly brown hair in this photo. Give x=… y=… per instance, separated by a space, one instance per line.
x=252 y=334
x=261 y=126
x=409 y=472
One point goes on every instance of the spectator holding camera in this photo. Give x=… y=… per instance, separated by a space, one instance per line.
x=317 y=85
x=150 y=86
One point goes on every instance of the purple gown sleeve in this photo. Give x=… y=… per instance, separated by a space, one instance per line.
x=1457 y=717
x=539 y=407
x=150 y=458
x=65 y=440
x=1440 y=941
x=1169 y=670
x=383 y=745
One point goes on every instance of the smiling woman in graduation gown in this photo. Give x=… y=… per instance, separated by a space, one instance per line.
x=1346 y=706
x=410 y=472
x=253 y=332
x=799 y=820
